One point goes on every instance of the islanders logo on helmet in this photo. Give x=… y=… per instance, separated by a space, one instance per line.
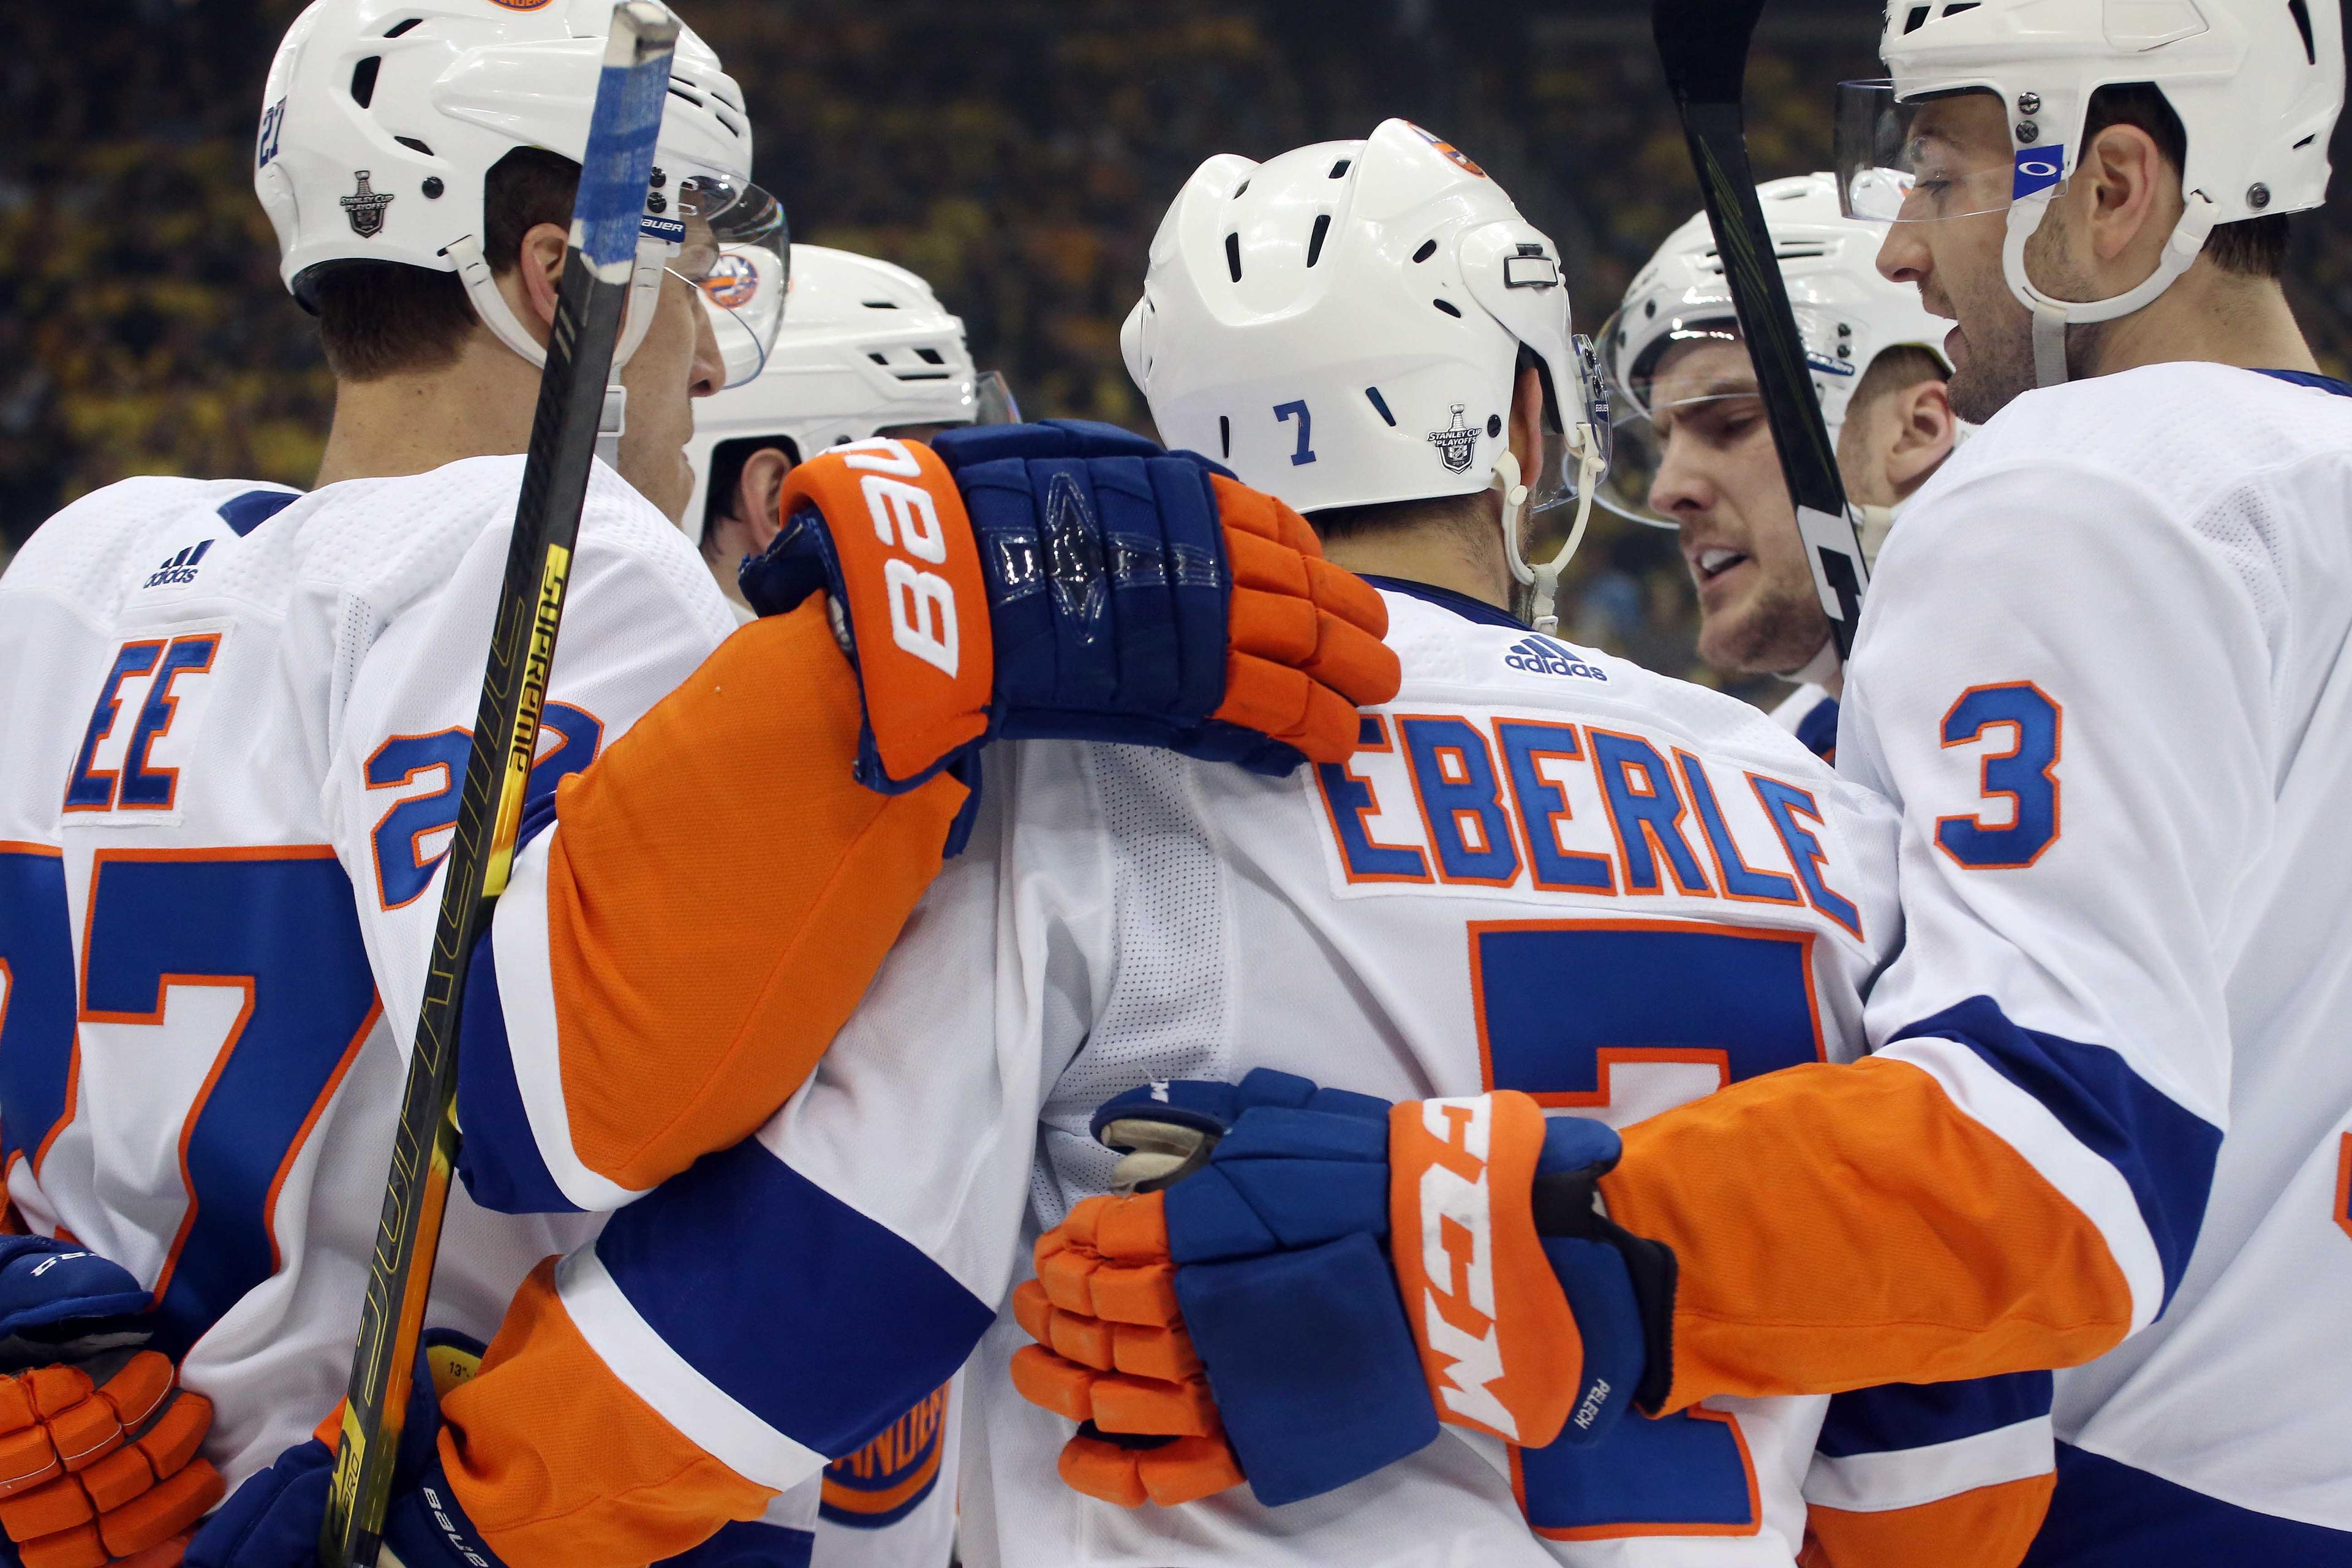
x=733 y=282
x=889 y=1477
x=1448 y=148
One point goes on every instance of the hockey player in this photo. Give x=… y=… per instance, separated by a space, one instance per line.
x=1543 y=867
x=230 y=743
x=2105 y=671
x=1694 y=453
x=866 y=350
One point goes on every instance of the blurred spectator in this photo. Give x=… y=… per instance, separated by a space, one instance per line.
x=1018 y=154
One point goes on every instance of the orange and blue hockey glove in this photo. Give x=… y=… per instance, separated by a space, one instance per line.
x=97 y=1441
x=1071 y=580
x=1321 y=1278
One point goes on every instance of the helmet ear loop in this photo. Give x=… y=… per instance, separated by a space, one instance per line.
x=2052 y=317
x=1586 y=445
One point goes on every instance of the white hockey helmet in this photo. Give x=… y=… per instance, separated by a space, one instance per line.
x=2257 y=85
x=1343 y=325
x=867 y=347
x=1847 y=314
x=381 y=120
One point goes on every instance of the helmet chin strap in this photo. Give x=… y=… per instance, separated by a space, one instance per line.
x=1545 y=579
x=645 y=286
x=2052 y=317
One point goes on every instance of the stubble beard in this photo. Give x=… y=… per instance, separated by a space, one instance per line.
x=1778 y=633
x=2001 y=336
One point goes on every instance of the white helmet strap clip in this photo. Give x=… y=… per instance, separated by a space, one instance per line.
x=644 y=287
x=1584 y=444
x=2051 y=316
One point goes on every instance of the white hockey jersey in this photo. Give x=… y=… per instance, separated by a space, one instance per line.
x=1546 y=869
x=2105 y=673
x=231 y=730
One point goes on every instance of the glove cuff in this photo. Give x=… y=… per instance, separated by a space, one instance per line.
x=884 y=522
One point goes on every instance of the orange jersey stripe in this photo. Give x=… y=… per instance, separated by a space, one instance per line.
x=1839 y=1226
x=719 y=890
x=1989 y=1527
x=558 y=1462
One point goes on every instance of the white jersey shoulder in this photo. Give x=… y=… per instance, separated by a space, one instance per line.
x=230 y=745
x=2105 y=672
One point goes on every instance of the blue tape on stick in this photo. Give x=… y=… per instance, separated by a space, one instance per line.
x=619 y=164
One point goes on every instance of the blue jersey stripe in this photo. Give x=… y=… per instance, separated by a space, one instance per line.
x=2109 y=1515
x=499 y=1159
x=1919 y=1415
x=822 y=1323
x=2163 y=1150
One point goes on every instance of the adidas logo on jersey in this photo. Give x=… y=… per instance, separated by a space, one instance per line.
x=1541 y=656
x=180 y=568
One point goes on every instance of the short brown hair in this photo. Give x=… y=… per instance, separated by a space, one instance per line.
x=383 y=318
x=1896 y=368
x=1462 y=513
x=2250 y=248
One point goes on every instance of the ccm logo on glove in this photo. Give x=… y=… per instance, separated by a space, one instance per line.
x=1457 y=1259
x=922 y=605
x=1473 y=1274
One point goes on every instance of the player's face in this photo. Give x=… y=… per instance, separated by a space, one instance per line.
x=1719 y=479
x=679 y=361
x=1956 y=145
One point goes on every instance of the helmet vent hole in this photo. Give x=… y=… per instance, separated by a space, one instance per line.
x=1224 y=436
x=1340 y=169
x=1380 y=406
x=2306 y=141
x=2301 y=15
x=1450 y=308
x=879 y=304
x=882 y=360
x=1915 y=18
x=1234 y=255
x=695 y=99
x=1239 y=189
x=930 y=356
x=401 y=26
x=1959 y=5
x=1428 y=249
x=364 y=80
x=1314 y=240
x=413 y=145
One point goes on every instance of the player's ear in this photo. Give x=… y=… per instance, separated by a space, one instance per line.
x=1527 y=420
x=2133 y=197
x=1923 y=429
x=759 y=490
x=539 y=270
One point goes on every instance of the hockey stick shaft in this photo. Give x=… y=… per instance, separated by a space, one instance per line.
x=590 y=301
x=1703 y=46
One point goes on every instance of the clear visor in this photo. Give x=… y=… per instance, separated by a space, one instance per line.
x=1945 y=156
x=737 y=252
x=993 y=400
x=1648 y=410
x=1558 y=481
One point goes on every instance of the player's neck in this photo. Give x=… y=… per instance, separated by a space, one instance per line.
x=478 y=406
x=2211 y=316
x=1439 y=557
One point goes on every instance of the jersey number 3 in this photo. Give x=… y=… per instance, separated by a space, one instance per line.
x=1562 y=1007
